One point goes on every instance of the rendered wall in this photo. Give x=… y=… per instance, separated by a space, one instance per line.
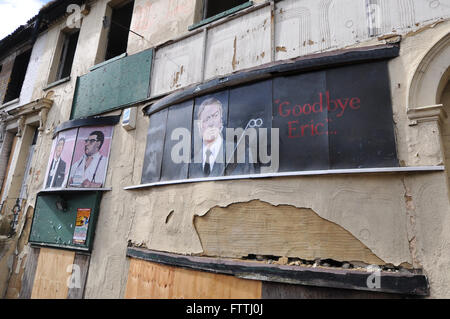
x=392 y=215
x=400 y=218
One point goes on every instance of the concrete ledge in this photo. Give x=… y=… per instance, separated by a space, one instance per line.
x=427 y=114
x=220 y=15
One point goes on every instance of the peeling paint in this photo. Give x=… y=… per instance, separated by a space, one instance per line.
x=422 y=29
x=411 y=223
x=241 y=229
x=234 y=61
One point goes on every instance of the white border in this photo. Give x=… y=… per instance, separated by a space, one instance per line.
x=304 y=173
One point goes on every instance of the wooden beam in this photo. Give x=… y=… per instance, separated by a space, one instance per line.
x=391 y=282
x=82 y=263
x=30 y=272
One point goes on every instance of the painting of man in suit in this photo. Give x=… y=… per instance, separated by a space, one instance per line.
x=209 y=158
x=57 y=172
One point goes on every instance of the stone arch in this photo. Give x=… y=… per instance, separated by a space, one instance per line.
x=428 y=103
x=431 y=76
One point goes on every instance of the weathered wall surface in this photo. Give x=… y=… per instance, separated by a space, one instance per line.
x=30 y=76
x=293 y=29
x=159 y=21
x=108 y=269
x=401 y=218
x=62 y=95
x=375 y=209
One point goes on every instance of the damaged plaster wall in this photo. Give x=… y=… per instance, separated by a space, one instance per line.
x=256 y=228
x=363 y=205
x=375 y=209
x=159 y=21
x=108 y=269
x=62 y=96
x=401 y=218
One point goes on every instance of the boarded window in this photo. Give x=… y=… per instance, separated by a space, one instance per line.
x=17 y=76
x=113 y=85
x=119 y=30
x=67 y=55
x=213 y=7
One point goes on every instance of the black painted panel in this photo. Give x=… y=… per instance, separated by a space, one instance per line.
x=362 y=126
x=151 y=172
x=249 y=105
x=300 y=113
x=179 y=121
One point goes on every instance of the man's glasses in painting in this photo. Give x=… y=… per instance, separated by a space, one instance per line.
x=214 y=116
x=90 y=141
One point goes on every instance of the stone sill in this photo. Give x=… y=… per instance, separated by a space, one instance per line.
x=56 y=83
x=220 y=15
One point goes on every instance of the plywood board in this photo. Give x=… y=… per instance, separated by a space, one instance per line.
x=51 y=274
x=260 y=228
x=239 y=44
x=148 y=280
x=112 y=85
x=30 y=272
x=178 y=65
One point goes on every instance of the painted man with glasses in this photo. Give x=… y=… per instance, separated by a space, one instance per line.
x=89 y=171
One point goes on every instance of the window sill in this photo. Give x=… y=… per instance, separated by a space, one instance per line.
x=56 y=83
x=220 y=15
